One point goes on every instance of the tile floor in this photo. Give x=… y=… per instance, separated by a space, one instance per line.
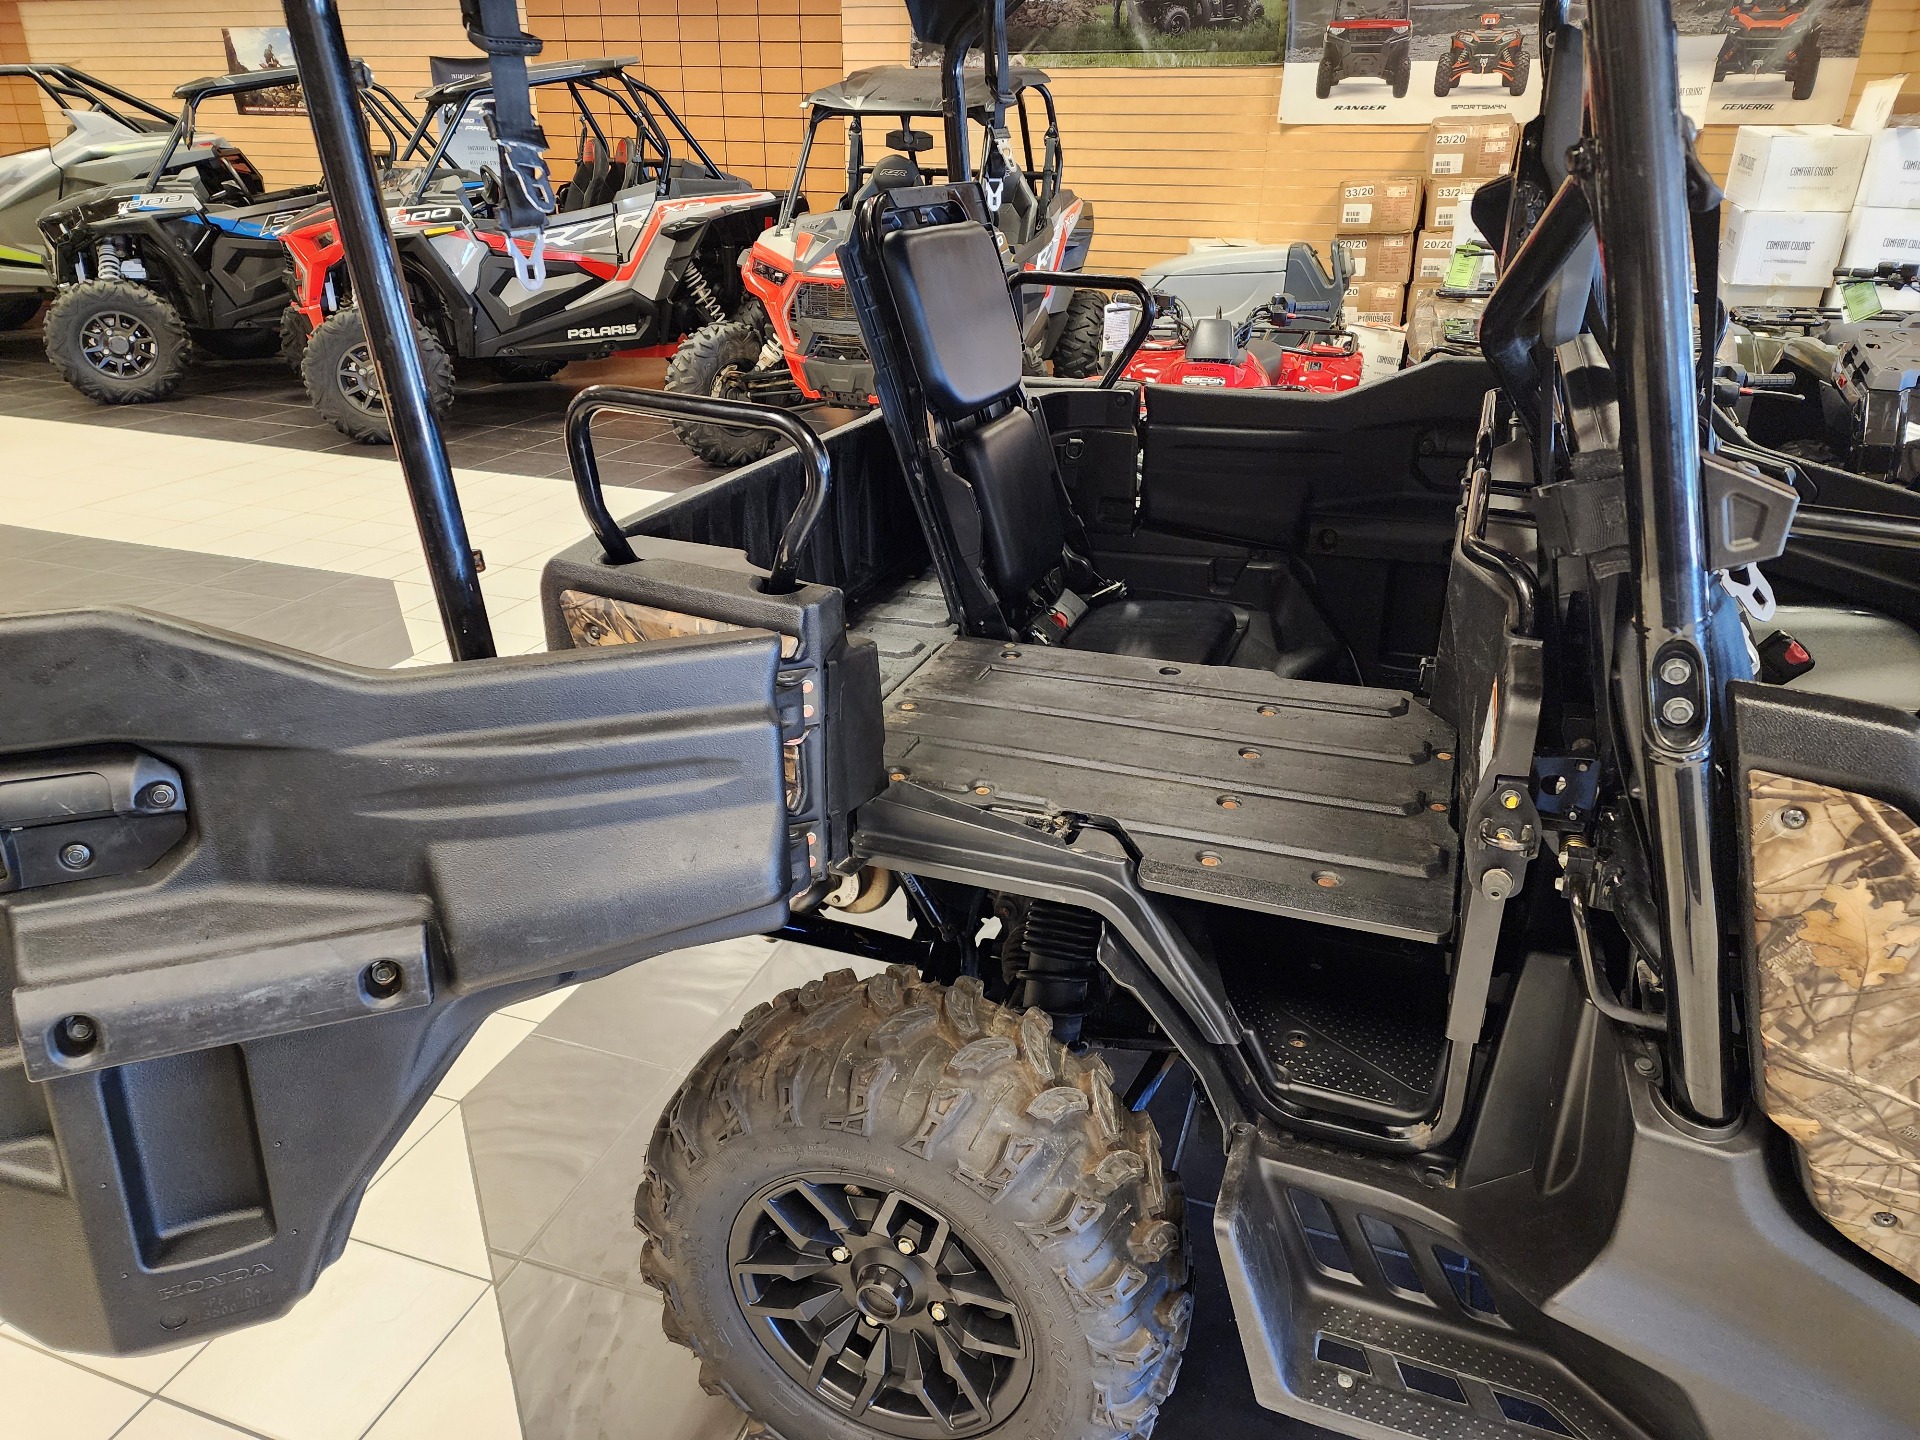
x=489 y=1288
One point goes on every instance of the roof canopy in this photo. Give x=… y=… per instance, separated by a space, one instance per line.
x=553 y=73
x=249 y=80
x=909 y=90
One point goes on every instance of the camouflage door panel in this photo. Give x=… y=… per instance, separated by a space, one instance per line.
x=1836 y=915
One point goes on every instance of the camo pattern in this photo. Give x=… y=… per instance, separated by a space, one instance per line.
x=1836 y=916
x=600 y=620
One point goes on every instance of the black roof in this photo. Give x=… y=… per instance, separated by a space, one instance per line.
x=908 y=90
x=552 y=73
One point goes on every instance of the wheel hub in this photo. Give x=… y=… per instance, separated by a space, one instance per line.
x=877 y=1307
x=360 y=382
x=118 y=344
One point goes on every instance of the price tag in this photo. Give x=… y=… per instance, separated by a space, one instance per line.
x=1463 y=270
x=1861 y=299
x=1116 y=325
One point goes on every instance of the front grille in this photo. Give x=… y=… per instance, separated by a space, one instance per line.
x=818 y=300
x=836 y=347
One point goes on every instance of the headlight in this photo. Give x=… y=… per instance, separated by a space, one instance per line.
x=770 y=273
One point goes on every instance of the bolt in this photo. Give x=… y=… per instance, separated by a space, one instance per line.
x=1343 y=1380
x=1509 y=799
x=1557 y=785
x=1443 y=754
x=869 y=1324
x=77 y=1033
x=1229 y=802
x=1885 y=1219
x=1793 y=818
x=1209 y=859
x=841 y=1254
x=938 y=1312
x=1495 y=883
x=76 y=856
x=904 y=1245
x=1643 y=1065
x=382 y=979
x=159 y=795
x=1677 y=671
x=1677 y=711
x=1265 y=710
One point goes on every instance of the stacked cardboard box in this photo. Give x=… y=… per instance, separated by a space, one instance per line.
x=1471 y=149
x=1378 y=217
x=1884 y=226
x=1788 y=191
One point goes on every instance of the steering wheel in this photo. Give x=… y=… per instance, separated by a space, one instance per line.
x=489 y=190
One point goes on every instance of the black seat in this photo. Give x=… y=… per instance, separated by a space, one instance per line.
x=590 y=171
x=944 y=331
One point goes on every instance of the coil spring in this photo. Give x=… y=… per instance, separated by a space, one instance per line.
x=108 y=260
x=1063 y=963
x=702 y=291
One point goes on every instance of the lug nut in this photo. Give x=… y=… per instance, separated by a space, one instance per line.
x=159 y=795
x=904 y=1245
x=1677 y=711
x=841 y=1254
x=76 y=856
x=1677 y=671
x=938 y=1312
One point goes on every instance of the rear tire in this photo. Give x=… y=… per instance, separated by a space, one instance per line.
x=1806 y=68
x=118 y=343
x=338 y=373
x=520 y=370
x=1522 y=70
x=1174 y=20
x=1442 y=86
x=705 y=363
x=17 y=310
x=860 y=1118
x=1076 y=354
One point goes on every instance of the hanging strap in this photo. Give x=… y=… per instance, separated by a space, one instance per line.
x=526 y=184
x=993 y=167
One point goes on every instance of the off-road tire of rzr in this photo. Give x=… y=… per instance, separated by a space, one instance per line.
x=524 y=370
x=67 y=317
x=330 y=345
x=1324 y=82
x=1172 y=20
x=1402 y=73
x=17 y=310
x=971 y=1108
x=1442 y=85
x=293 y=339
x=1806 y=67
x=1522 y=69
x=1076 y=354
x=696 y=369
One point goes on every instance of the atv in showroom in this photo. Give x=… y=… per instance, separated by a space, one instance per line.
x=112 y=136
x=797 y=343
x=187 y=253
x=645 y=246
x=1372 y=39
x=1772 y=37
x=1493 y=47
x=1391 y=761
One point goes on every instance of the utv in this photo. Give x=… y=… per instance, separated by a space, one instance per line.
x=1371 y=38
x=797 y=343
x=1772 y=37
x=646 y=246
x=1391 y=761
x=1494 y=48
x=1177 y=17
x=188 y=253
x=113 y=136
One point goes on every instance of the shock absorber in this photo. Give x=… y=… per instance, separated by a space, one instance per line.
x=1063 y=964
x=108 y=259
x=702 y=291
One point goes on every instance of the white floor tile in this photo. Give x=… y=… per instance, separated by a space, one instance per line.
x=162 y=1421
x=426 y=1206
x=431 y=1114
x=40 y=1395
x=465 y=1392
x=541 y=1006
x=491 y=1044
x=143 y=1372
x=327 y=1369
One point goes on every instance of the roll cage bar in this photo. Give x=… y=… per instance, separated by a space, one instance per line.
x=385 y=110
x=633 y=97
x=63 y=84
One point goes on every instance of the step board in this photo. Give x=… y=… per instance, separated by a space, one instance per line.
x=1322 y=802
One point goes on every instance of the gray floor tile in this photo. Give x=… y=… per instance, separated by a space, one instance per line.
x=591 y=1363
x=278 y=582
x=539 y=1123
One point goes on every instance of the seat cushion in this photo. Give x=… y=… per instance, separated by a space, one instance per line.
x=1198 y=632
x=1022 y=516
x=1857 y=654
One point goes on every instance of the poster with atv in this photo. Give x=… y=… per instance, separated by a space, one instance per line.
x=1062 y=34
x=1402 y=62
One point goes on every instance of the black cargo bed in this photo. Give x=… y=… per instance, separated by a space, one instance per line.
x=1324 y=802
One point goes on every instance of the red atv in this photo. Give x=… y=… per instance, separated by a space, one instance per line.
x=1494 y=48
x=1772 y=37
x=1270 y=349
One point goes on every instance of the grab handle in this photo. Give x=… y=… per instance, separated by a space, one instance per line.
x=1077 y=280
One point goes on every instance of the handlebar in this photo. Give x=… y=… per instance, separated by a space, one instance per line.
x=709 y=409
x=1082 y=281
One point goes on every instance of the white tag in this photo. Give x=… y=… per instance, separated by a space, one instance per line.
x=1357 y=213
x=1753 y=592
x=1449 y=164
x=1357 y=265
x=1116 y=326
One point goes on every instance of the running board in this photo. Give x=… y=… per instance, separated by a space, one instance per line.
x=1362 y=1309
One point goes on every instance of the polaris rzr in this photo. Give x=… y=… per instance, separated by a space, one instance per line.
x=1177 y=17
x=188 y=253
x=1367 y=38
x=797 y=343
x=1772 y=37
x=112 y=136
x=1493 y=47
x=645 y=246
x=1388 y=771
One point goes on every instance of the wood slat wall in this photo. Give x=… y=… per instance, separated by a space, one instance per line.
x=22 y=125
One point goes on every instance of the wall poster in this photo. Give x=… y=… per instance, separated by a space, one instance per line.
x=262 y=47
x=1142 y=34
x=1402 y=62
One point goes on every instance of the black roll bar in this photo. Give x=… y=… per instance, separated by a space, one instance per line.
x=712 y=410
x=1081 y=281
x=327 y=79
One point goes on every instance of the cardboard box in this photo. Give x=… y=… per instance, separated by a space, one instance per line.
x=1478 y=149
x=1449 y=202
x=1891 y=178
x=1385 y=259
x=1781 y=247
x=1379 y=205
x=1432 y=253
x=1382 y=347
x=1770 y=297
x=1369 y=304
x=1796 y=167
x=1876 y=234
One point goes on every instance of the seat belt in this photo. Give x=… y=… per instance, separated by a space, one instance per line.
x=993 y=167
x=526 y=184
